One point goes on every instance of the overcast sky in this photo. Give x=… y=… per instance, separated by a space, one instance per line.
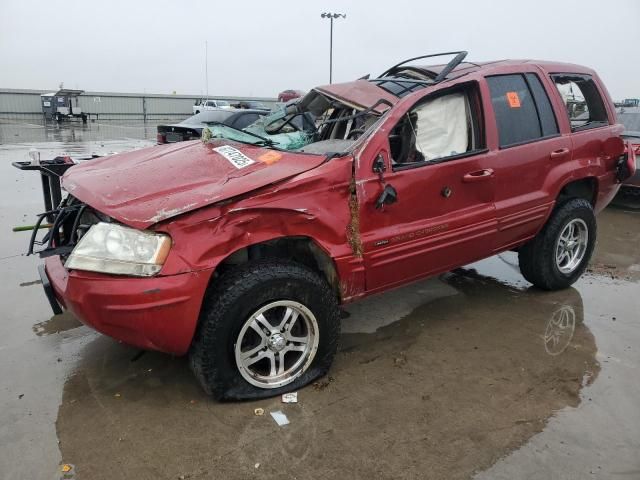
x=259 y=48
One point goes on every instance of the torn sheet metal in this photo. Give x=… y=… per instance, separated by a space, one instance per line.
x=360 y=94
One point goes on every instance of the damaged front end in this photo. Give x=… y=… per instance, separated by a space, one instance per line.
x=71 y=221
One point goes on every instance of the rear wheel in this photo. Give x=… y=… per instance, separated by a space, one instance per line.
x=559 y=254
x=266 y=328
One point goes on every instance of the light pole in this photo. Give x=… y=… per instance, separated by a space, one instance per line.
x=331 y=17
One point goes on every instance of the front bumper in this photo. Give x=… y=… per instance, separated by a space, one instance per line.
x=155 y=313
x=48 y=290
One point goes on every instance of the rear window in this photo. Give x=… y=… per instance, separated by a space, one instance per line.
x=582 y=100
x=209 y=116
x=522 y=108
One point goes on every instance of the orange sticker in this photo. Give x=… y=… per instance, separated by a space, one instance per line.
x=513 y=99
x=270 y=157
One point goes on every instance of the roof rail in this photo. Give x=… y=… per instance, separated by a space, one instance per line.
x=459 y=57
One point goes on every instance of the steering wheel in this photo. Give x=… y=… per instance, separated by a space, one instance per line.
x=356 y=131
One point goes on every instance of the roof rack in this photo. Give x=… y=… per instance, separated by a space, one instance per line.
x=459 y=57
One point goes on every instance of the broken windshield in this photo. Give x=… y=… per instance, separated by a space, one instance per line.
x=317 y=117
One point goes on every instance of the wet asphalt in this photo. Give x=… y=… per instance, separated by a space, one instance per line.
x=471 y=374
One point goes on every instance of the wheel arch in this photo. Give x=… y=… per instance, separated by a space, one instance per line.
x=298 y=248
x=586 y=188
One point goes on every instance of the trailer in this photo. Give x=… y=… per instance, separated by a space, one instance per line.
x=62 y=105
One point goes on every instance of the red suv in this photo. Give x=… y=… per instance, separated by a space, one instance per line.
x=239 y=252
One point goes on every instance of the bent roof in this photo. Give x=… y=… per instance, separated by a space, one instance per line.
x=360 y=94
x=406 y=79
x=363 y=94
x=503 y=66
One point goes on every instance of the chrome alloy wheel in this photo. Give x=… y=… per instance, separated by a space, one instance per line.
x=276 y=344
x=571 y=246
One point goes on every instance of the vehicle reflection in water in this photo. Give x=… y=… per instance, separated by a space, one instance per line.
x=457 y=381
x=559 y=331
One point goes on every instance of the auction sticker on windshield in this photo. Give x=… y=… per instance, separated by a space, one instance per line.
x=235 y=156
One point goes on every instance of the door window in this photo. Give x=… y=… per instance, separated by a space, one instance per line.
x=522 y=109
x=582 y=100
x=433 y=131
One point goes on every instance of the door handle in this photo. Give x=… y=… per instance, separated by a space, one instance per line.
x=478 y=175
x=559 y=153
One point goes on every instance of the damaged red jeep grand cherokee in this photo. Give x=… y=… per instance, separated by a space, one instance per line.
x=239 y=250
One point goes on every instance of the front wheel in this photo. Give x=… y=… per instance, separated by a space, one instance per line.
x=265 y=328
x=559 y=254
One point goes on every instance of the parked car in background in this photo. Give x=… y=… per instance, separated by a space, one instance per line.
x=191 y=128
x=239 y=253
x=630 y=118
x=251 y=105
x=202 y=105
x=287 y=95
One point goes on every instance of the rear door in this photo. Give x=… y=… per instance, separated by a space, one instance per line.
x=436 y=162
x=528 y=144
x=590 y=122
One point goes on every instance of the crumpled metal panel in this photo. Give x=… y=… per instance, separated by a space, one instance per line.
x=360 y=94
x=185 y=176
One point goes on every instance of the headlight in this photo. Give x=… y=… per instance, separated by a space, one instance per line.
x=112 y=248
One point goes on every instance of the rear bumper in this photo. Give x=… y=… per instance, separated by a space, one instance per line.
x=157 y=313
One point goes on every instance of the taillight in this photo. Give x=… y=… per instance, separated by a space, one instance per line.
x=161 y=138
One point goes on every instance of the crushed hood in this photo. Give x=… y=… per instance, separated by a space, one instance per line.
x=144 y=187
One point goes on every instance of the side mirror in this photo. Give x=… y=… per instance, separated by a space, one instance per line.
x=379 y=165
x=388 y=196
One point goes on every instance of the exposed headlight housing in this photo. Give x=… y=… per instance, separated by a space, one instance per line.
x=113 y=248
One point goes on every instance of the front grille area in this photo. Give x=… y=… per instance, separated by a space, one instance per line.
x=67 y=225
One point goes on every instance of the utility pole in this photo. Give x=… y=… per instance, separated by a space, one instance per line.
x=206 y=66
x=331 y=17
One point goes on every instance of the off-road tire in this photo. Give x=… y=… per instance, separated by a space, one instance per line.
x=236 y=295
x=537 y=257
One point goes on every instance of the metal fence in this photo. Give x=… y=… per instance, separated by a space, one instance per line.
x=25 y=104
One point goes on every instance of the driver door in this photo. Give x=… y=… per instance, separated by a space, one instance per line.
x=443 y=178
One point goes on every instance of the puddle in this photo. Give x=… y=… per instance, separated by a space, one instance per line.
x=57 y=324
x=471 y=373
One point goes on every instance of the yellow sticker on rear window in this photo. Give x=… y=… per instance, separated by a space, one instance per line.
x=513 y=99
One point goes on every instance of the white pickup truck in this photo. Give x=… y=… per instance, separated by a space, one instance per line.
x=202 y=105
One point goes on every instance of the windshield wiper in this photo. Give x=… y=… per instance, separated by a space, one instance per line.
x=265 y=141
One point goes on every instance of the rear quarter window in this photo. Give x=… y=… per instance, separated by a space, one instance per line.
x=522 y=109
x=582 y=100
